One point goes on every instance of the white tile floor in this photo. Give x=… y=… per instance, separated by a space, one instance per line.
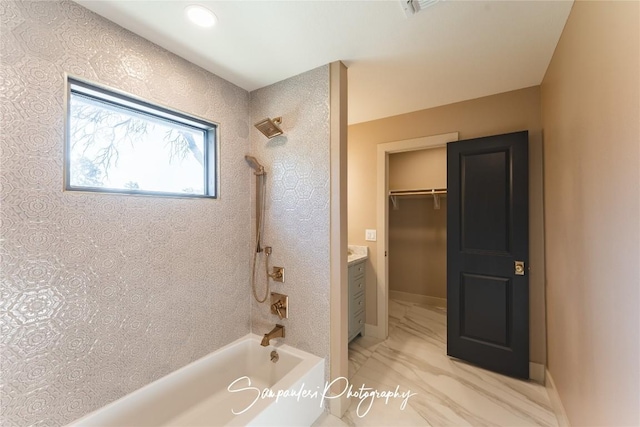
x=447 y=392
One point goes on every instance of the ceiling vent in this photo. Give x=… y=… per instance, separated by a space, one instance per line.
x=411 y=7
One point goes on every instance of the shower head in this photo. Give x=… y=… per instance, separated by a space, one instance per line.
x=255 y=165
x=270 y=128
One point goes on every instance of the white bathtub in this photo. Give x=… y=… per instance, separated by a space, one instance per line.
x=203 y=393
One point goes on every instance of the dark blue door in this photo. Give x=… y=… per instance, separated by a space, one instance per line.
x=487 y=253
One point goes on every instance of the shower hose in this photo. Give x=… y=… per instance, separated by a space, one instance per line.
x=267 y=251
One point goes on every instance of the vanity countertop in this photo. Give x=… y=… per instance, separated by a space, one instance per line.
x=357 y=253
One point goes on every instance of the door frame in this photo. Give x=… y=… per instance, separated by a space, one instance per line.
x=382 y=215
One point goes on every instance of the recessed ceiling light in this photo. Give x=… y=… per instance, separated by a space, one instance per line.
x=200 y=15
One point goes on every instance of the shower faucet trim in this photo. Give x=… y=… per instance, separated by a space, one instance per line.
x=277 y=332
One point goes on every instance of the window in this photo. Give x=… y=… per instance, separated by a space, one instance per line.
x=119 y=144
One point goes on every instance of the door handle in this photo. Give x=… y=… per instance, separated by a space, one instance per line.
x=519 y=268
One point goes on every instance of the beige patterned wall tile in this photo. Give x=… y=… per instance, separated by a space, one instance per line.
x=297 y=215
x=102 y=294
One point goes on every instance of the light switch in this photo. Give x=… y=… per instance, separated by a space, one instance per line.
x=370 y=235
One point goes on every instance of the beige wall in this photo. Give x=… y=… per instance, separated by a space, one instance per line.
x=418 y=169
x=339 y=289
x=418 y=247
x=591 y=122
x=491 y=115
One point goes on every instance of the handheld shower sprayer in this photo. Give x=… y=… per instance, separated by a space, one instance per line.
x=255 y=165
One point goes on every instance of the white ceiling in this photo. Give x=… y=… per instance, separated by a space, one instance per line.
x=450 y=52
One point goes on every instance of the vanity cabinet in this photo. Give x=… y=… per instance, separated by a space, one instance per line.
x=356 y=299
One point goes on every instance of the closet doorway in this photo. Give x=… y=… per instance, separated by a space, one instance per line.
x=418 y=227
x=384 y=153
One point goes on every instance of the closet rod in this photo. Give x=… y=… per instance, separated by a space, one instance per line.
x=418 y=192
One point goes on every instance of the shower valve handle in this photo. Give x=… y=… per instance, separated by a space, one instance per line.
x=277 y=275
x=280 y=305
x=277 y=307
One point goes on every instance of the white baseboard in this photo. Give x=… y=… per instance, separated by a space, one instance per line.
x=338 y=406
x=536 y=372
x=371 y=331
x=420 y=299
x=556 y=403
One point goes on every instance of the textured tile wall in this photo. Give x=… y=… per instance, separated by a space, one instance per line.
x=101 y=294
x=297 y=208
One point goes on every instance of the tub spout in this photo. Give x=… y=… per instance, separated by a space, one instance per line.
x=277 y=332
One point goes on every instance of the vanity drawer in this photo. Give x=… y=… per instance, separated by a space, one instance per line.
x=357 y=304
x=356 y=270
x=356 y=286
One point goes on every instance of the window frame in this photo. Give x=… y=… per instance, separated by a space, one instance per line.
x=126 y=100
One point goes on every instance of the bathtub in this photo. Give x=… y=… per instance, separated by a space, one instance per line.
x=239 y=377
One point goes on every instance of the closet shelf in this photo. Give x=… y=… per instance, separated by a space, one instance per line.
x=434 y=192
x=418 y=192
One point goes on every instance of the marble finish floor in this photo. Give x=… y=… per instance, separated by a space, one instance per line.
x=447 y=392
